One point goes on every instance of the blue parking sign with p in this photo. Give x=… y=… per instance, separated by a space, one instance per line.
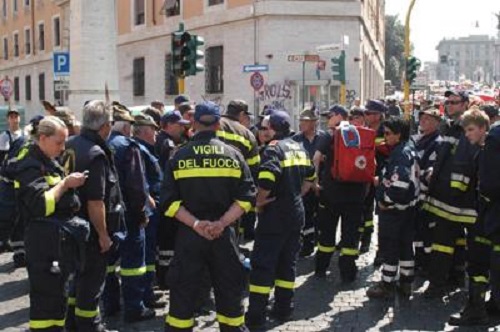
x=61 y=63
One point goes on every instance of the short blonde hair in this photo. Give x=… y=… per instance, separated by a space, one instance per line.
x=474 y=116
x=48 y=126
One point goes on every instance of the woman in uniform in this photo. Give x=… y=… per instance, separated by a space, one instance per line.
x=47 y=202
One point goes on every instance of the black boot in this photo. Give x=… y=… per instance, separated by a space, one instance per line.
x=474 y=312
x=322 y=263
x=381 y=290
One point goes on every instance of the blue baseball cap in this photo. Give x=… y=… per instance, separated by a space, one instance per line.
x=336 y=109
x=268 y=110
x=280 y=121
x=173 y=117
x=181 y=99
x=459 y=93
x=207 y=109
x=373 y=105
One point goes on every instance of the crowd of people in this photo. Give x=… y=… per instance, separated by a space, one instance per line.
x=115 y=211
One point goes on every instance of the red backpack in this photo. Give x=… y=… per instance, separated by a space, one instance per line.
x=353 y=154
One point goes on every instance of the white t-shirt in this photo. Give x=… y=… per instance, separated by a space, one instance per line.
x=5 y=139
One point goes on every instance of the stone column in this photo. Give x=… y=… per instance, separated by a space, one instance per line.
x=93 y=51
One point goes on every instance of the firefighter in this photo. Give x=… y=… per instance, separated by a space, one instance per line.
x=451 y=199
x=145 y=135
x=234 y=133
x=131 y=254
x=476 y=124
x=489 y=190
x=167 y=143
x=427 y=144
x=309 y=137
x=11 y=141
x=374 y=116
x=283 y=176
x=207 y=187
x=102 y=206
x=397 y=195
x=337 y=200
x=47 y=201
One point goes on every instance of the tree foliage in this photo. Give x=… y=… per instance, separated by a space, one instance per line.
x=394 y=49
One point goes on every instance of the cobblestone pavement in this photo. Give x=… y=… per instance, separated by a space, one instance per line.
x=321 y=305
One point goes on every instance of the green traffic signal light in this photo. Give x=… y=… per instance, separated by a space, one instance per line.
x=194 y=54
x=338 y=68
x=412 y=67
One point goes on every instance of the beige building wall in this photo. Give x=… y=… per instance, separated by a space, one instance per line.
x=250 y=31
x=36 y=61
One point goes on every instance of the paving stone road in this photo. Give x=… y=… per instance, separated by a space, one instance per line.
x=321 y=305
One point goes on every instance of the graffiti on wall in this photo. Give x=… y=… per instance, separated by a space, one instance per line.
x=350 y=96
x=279 y=95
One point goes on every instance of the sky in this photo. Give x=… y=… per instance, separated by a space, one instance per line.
x=433 y=20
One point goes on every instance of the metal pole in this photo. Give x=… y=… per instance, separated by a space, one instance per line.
x=180 y=82
x=407 y=55
x=303 y=84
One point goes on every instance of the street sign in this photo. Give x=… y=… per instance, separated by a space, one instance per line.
x=303 y=58
x=328 y=47
x=61 y=63
x=6 y=88
x=254 y=68
x=418 y=87
x=257 y=81
x=61 y=85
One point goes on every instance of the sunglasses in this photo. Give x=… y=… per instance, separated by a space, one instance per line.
x=453 y=102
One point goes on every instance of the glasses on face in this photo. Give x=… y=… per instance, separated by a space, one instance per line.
x=453 y=102
x=371 y=113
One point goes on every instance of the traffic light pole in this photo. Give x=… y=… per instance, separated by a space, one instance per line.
x=304 y=84
x=407 y=55
x=180 y=83
x=342 y=94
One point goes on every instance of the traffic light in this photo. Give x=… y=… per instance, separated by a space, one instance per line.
x=193 y=55
x=338 y=68
x=412 y=67
x=179 y=52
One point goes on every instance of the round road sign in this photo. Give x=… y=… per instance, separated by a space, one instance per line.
x=6 y=88
x=257 y=81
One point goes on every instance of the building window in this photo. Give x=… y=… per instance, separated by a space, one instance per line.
x=16 y=45
x=140 y=12
x=27 y=41
x=27 y=3
x=215 y=2
x=14 y=6
x=16 y=88
x=57 y=31
x=41 y=86
x=139 y=76
x=214 y=65
x=172 y=8
x=27 y=88
x=5 y=48
x=171 y=85
x=4 y=8
x=41 y=36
